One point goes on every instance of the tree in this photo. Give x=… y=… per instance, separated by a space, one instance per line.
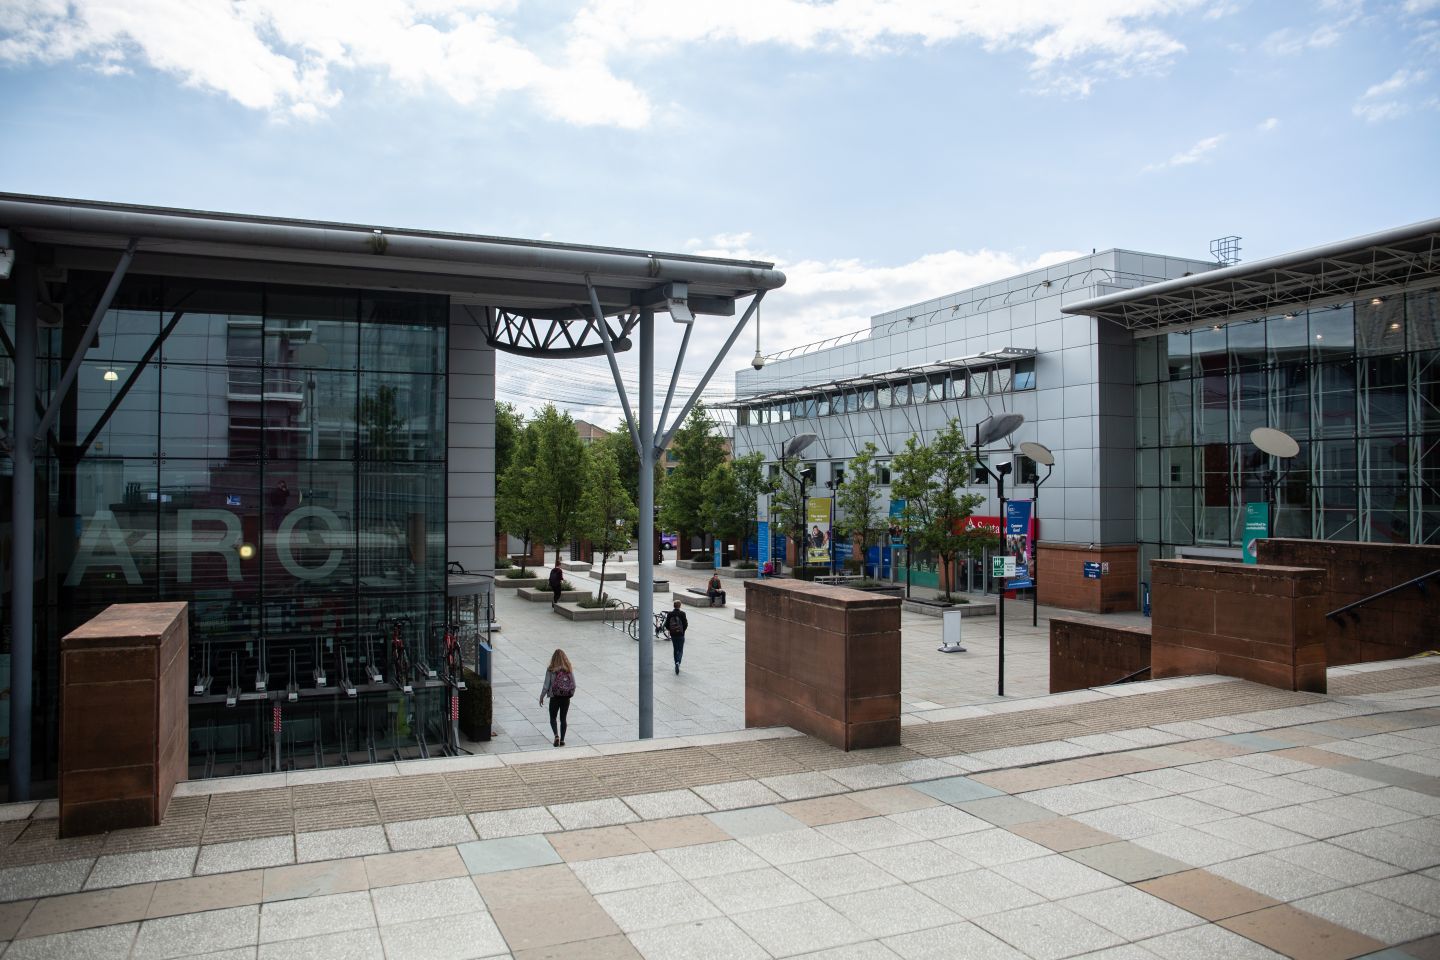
x=558 y=477
x=606 y=510
x=931 y=479
x=509 y=424
x=698 y=451
x=858 y=501
x=514 y=510
x=732 y=494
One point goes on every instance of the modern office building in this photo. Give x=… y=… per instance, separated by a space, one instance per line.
x=290 y=425
x=1144 y=375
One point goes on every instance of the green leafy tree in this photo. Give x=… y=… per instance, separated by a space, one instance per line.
x=931 y=478
x=858 y=501
x=514 y=510
x=607 y=514
x=732 y=495
x=698 y=450
x=558 y=477
x=509 y=424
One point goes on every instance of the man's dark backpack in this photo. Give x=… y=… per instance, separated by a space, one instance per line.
x=675 y=622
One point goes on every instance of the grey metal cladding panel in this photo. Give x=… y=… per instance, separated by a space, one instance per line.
x=1116 y=400
x=1079 y=467
x=472 y=460
x=1118 y=531
x=1050 y=403
x=471 y=533
x=1078 y=365
x=1077 y=334
x=470 y=509
x=470 y=386
x=1080 y=531
x=1051 y=433
x=466 y=434
x=1079 y=401
x=1116 y=432
x=1079 y=432
x=1049 y=335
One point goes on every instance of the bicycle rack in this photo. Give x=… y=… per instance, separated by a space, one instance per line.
x=403 y=672
x=232 y=692
x=204 y=678
x=372 y=671
x=275 y=726
x=319 y=663
x=262 y=669
x=346 y=683
x=420 y=660
x=292 y=687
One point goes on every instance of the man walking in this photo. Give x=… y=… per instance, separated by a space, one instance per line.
x=676 y=624
x=557 y=579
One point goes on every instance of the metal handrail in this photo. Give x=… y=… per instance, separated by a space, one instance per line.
x=1415 y=582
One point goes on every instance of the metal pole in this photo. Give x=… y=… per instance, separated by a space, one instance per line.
x=1000 y=492
x=646 y=626
x=22 y=512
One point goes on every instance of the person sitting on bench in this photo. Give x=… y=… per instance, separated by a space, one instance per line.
x=713 y=590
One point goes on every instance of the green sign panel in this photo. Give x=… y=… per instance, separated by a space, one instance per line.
x=1257 y=527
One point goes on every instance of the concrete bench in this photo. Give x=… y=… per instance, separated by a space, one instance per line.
x=696 y=597
x=660 y=586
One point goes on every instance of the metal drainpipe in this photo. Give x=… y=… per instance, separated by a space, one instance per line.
x=22 y=512
x=646 y=627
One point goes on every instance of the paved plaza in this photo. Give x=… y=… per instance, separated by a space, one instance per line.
x=1195 y=818
x=708 y=696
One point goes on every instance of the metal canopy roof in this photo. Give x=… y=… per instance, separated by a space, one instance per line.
x=988 y=358
x=1392 y=260
x=535 y=294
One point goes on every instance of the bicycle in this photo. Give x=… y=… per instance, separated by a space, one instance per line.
x=454 y=661
x=400 y=664
x=662 y=629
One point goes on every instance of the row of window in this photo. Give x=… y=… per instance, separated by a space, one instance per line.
x=955 y=385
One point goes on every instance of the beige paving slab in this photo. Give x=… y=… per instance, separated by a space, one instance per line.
x=413 y=866
x=1301 y=935
x=93 y=908
x=1062 y=834
x=822 y=810
x=197 y=894
x=676 y=832
x=617 y=947
x=1206 y=895
x=596 y=842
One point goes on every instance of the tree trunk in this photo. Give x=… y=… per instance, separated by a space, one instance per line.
x=604 y=556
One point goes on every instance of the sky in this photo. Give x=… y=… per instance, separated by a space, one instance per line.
x=880 y=152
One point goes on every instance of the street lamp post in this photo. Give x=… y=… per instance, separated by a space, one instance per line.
x=788 y=450
x=1041 y=454
x=989 y=431
x=1283 y=447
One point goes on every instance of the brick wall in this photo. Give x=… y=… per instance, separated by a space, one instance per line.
x=1400 y=625
x=1254 y=622
x=823 y=659
x=1092 y=653
x=1062 y=580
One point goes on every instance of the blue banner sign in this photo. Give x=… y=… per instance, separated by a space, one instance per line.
x=1092 y=570
x=762 y=540
x=1017 y=535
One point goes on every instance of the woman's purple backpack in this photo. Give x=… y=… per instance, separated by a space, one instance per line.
x=562 y=684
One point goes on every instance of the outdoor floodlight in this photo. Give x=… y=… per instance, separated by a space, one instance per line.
x=997 y=427
x=245 y=550
x=1039 y=453
x=797 y=445
x=678 y=303
x=111 y=376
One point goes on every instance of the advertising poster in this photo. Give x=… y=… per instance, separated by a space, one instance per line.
x=817 y=531
x=1018 y=535
x=1257 y=527
x=897 y=523
x=762 y=543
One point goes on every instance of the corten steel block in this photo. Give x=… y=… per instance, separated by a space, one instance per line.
x=1256 y=622
x=124 y=722
x=823 y=659
x=1085 y=653
x=1400 y=625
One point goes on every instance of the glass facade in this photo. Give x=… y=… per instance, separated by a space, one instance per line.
x=1357 y=384
x=279 y=462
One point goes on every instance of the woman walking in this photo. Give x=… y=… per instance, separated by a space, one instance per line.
x=559 y=687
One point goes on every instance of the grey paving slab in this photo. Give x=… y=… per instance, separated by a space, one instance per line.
x=336 y=844
x=1130 y=913
x=1193 y=846
x=754 y=821
x=957 y=790
x=803 y=786
x=348 y=944
x=799 y=928
x=431 y=832
x=427 y=900
x=1047 y=931
x=869 y=834
x=711 y=859
x=197 y=933
x=752 y=890
x=668 y=803
x=1004 y=811
x=112 y=941
x=1336 y=862
x=934 y=823
x=848 y=873
x=246 y=855
x=1373 y=915
x=1207 y=943
x=976 y=893
x=313 y=916
x=1275 y=878
x=1255 y=834
x=1414 y=890
x=125 y=868
x=513 y=823
x=648 y=908
x=1127 y=861
x=792 y=846
x=507 y=853
x=737 y=793
x=609 y=874
x=1055 y=877
x=43 y=879
x=890 y=911
x=955 y=940
x=988 y=848
x=698 y=940
x=919 y=861
x=458 y=938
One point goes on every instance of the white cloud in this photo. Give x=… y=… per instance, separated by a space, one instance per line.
x=1383 y=101
x=296 y=57
x=1200 y=150
x=1268 y=124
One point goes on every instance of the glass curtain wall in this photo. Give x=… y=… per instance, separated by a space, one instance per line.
x=1357 y=384
x=275 y=457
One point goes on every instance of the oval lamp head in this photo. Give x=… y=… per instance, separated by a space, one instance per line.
x=997 y=427
x=1039 y=453
x=796 y=445
x=1277 y=443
